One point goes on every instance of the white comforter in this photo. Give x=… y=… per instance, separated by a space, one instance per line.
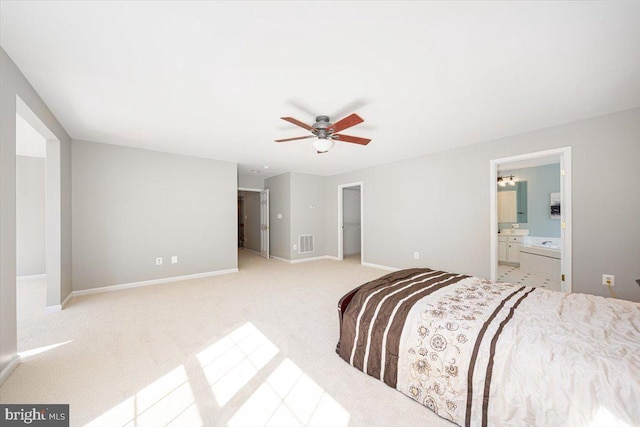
x=544 y=358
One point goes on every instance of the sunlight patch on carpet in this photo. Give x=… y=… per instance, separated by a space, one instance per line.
x=231 y=362
x=28 y=353
x=167 y=401
x=290 y=397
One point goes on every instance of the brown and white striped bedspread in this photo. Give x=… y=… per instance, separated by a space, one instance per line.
x=482 y=353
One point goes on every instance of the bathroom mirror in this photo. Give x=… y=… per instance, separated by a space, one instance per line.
x=512 y=203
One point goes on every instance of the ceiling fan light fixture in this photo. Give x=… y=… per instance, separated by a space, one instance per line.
x=322 y=145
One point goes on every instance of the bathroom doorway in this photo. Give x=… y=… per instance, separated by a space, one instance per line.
x=530 y=219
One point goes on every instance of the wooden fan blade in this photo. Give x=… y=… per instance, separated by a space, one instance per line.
x=294 y=102
x=354 y=105
x=297 y=137
x=349 y=138
x=347 y=122
x=297 y=123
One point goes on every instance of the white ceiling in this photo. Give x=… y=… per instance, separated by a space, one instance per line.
x=212 y=79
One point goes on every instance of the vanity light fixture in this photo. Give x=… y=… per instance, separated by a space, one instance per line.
x=503 y=181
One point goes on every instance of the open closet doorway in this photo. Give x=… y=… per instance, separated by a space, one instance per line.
x=350 y=214
x=253 y=221
x=531 y=219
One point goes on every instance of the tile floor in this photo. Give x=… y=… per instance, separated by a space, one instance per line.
x=512 y=274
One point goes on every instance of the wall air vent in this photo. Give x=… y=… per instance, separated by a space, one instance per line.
x=305 y=243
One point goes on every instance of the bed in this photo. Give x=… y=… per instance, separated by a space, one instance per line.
x=481 y=353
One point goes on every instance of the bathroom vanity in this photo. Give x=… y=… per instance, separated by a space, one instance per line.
x=509 y=243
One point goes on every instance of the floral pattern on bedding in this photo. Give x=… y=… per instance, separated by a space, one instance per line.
x=441 y=335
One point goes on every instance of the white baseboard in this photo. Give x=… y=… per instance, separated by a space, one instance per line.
x=8 y=370
x=297 y=261
x=334 y=258
x=251 y=250
x=59 y=307
x=381 y=267
x=32 y=277
x=316 y=258
x=150 y=282
x=66 y=300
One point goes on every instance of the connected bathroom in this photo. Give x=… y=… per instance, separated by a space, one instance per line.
x=530 y=226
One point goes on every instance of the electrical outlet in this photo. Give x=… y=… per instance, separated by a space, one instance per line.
x=158 y=261
x=174 y=259
x=416 y=255
x=608 y=279
x=295 y=247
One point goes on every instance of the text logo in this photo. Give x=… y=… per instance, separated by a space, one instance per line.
x=39 y=415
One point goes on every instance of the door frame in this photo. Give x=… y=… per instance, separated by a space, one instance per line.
x=53 y=207
x=341 y=189
x=264 y=224
x=565 y=214
x=262 y=236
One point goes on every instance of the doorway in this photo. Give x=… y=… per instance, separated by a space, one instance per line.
x=530 y=219
x=31 y=280
x=30 y=202
x=253 y=221
x=350 y=221
x=31 y=132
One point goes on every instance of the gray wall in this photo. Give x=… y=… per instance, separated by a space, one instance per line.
x=30 y=216
x=251 y=181
x=409 y=206
x=279 y=203
x=131 y=206
x=541 y=182
x=308 y=212
x=351 y=221
x=301 y=199
x=252 y=220
x=12 y=84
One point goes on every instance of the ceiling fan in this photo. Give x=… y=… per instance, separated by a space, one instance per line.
x=327 y=132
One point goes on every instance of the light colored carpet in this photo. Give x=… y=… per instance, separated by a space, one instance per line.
x=251 y=348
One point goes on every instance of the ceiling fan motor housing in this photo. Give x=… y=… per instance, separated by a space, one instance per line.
x=321 y=127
